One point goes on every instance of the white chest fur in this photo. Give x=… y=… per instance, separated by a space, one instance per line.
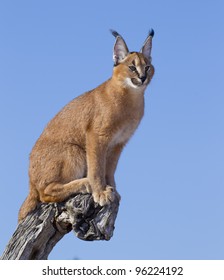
x=122 y=135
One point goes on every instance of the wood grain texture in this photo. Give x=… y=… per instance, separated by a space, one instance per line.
x=36 y=236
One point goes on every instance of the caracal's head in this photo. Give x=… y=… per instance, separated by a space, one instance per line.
x=132 y=69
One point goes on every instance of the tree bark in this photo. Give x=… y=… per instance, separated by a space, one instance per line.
x=38 y=233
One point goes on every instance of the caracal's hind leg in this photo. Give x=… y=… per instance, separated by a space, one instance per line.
x=60 y=173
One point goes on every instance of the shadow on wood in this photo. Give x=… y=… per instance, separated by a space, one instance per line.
x=36 y=236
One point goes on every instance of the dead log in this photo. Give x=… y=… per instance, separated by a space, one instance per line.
x=36 y=236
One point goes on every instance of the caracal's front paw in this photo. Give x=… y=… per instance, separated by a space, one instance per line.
x=105 y=197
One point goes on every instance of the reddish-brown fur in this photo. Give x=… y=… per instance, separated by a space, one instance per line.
x=79 y=149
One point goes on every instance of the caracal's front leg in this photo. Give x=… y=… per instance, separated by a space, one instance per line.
x=96 y=169
x=113 y=156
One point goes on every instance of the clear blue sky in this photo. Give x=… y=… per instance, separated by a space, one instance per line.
x=170 y=175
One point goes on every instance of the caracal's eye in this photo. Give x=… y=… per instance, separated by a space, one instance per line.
x=147 y=68
x=132 y=68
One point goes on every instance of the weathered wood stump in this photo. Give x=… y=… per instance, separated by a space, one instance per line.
x=36 y=236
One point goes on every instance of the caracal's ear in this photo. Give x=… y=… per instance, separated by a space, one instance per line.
x=147 y=46
x=120 y=48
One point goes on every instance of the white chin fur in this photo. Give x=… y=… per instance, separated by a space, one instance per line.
x=130 y=84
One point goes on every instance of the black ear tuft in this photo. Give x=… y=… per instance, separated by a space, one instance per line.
x=115 y=33
x=151 y=32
